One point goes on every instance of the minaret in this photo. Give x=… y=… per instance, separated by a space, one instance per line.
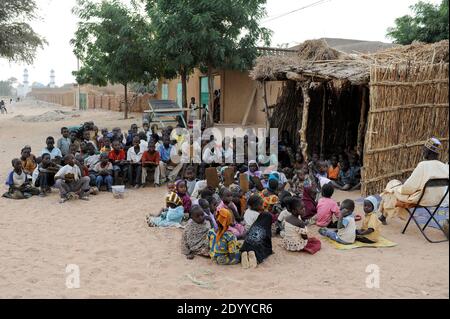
x=52 y=79
x=26 y=86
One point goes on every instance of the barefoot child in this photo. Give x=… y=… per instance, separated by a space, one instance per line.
x=370 y=230
x=195 y=235
x=19 y=183
x=346 y=233
x=44 y=174
x=258 y=242
x=70 y=181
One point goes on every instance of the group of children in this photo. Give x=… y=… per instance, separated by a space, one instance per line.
x=83 y=162
x=235 y=223
x=231 y=221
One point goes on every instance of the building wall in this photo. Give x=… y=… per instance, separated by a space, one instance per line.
x=236 y=88
x=238 y=93
x=95 y=99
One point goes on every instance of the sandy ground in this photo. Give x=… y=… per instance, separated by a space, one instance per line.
x=119 y=256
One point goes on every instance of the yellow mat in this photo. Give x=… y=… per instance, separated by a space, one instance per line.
x=382 y=243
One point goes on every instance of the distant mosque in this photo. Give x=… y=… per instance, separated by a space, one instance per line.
x=24 y=88
x=52 y=79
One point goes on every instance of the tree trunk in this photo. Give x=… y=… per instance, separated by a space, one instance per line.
x=125 y=116
x=184 y=103
x=211 y=95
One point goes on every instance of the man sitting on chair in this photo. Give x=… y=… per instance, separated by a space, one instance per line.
x=397 y=197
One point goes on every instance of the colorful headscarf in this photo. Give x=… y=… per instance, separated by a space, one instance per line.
x=434 y=145
x=224 y=219
x=173 y=198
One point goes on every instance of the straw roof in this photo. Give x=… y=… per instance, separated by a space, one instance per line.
x=319 y=62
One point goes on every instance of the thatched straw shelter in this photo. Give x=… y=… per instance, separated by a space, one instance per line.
x=384 y=104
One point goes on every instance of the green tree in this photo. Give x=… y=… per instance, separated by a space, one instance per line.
x=113 y=43
x=5 y=88
x=430 y=23
x=18 y=41
x=206 y=34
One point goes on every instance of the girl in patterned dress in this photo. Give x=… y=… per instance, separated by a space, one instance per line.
x=224 y=248
x=295 y=233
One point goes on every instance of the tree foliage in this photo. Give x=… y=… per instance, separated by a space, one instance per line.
x=18 y=41
x=113 y=43
x=206 y=34
x=430 y=23
x=6 y=88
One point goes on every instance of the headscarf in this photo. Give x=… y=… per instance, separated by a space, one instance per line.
x=257 y=173
x=185 y=198
x=309 y=203
x=259 y=237
x=173 y=198
x=434 y=145
x=268 y=200
x=374 y=202
x=224 y=219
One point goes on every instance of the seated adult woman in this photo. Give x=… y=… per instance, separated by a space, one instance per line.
x=397 y=196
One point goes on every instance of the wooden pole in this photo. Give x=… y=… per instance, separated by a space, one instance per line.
x=266 y=107
x=303 y=130
x=362 y=122
x=324 y=104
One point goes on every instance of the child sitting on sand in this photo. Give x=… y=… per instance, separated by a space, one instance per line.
x=181 y=191
x=370 y=230
x=71 y=182
x=104 y=170
x=235 y=227
x=255 y=207
x=19 y=183
x=224 y=248
x=28 y=160
x=118 y=158
x=346 y=232
x=283 y=205
x=258 y=242
x=295 y=233
x=333 y=169
x=298 y=182
x=327 y=208
x=209 y=206
x=195 y=235
x=106 y=146
x=170 y=216
x=191 y=180
x=44 y=174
